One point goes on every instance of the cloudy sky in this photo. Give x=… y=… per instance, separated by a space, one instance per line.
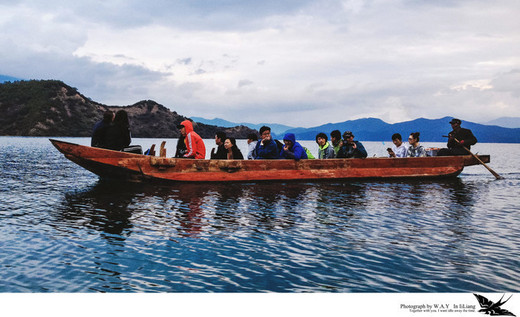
x=295 y=62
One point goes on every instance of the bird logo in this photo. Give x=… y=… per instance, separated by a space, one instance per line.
x=493 y=309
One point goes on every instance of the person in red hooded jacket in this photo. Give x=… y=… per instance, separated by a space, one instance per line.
x=194 y=145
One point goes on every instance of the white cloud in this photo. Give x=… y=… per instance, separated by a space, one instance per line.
x=296 y=62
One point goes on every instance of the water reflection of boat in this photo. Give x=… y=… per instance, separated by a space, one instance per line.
x=138 y=168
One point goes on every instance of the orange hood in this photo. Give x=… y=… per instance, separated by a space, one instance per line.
x=187 y=125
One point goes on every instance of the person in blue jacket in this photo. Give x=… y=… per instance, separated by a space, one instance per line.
x=292 y=149
x=266 y=147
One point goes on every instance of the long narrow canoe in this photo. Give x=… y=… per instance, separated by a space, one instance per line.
x=139 y=168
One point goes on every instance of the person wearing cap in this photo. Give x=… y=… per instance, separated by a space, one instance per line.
x=292 y=149
x=194 y=145
x=458 y=138
x=351 y=148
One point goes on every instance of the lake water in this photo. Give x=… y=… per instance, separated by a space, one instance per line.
x=64 y=230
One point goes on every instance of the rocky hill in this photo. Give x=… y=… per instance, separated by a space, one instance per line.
x=52 y=108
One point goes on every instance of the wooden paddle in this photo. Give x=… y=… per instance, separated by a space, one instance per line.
x=480 y=161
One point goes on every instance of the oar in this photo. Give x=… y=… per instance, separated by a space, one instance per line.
x=480 y=161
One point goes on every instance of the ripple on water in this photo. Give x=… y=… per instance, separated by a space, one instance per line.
x=65 y=231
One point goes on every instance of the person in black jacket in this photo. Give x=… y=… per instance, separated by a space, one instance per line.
x=457 y=140
x=118 y=134
x=99 y=133
x=351 y=148
x=221 y=153
x=233 y=152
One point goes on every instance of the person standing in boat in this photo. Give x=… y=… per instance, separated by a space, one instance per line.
x=458 y=138
x=266 y=148
x=398 y=149
x=252 y=140
x=221 y=153
x=233 y=152
x=195 y=147
x=415 y=149
x=325 y=150
x=335 y=140
x=99 y=133
x=118 y=134
x=351 y=148
x=292 y=149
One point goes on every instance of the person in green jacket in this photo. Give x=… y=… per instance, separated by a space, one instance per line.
x=336 y=142
x=325 y=150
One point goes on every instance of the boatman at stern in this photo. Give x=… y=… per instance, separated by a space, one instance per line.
x=457 y=140
x=194 y=145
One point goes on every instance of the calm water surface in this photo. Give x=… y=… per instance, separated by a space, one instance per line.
x=64 y=230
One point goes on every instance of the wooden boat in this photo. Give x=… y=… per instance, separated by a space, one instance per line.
x=138 y=168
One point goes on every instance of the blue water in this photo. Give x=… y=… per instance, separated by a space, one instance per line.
x=64 y=230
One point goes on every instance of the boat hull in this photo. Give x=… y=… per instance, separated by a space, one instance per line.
x=139 y=168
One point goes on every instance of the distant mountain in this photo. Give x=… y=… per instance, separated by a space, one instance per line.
x=432 y=130
x=373 y=129
x=52 y=108
x=4 y=78
x=276 y=129
x=506 y=122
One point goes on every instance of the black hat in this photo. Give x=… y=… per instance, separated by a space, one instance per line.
x=180 y=126
x=455 y=121
x=348 y=134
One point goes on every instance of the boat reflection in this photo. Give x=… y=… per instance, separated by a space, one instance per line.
x=191 y=210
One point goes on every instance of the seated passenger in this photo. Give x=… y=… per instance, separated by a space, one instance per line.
x=233 y=152
x=325 y=150
x=351 y=148
x=252 y=140
x=118 y=134
x=292 y=149
x=398 y=149
x=99 y=133
x=195 y=147
x=458 y=139
x=266 y=148
x=221 y=153
x=335 y=140
x=415 y=150
x=181 y=147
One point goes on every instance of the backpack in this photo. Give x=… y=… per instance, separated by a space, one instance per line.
x=309 y=154
x=280 y=146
